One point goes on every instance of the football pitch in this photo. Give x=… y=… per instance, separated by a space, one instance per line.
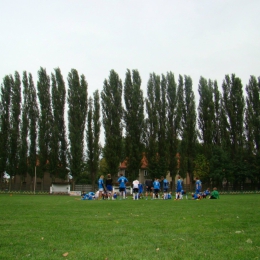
x=63 y=227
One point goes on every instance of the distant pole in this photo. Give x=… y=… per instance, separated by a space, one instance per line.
x=34 y=178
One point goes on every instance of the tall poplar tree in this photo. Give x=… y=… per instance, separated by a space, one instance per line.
x=45 y=121
x=23 y=152
x=234 y=105
x=206 y=115
x=173 y=122
x=5 y=122
x=33 y=117
x=77 y=114
x=134 y=121
x=152 y=123
x=58 y=153
x=252 y=118
x=217 y=112
x=181 y=123
x=163 y=146
x=220 y=163
x=14 y=139
x=189 y=131
x=93 y=135
x=252 y=129
x=112 y=110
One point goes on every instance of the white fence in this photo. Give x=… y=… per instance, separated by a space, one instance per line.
x=129 y=189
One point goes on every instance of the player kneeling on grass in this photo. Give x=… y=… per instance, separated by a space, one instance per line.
x=135 y=189
x=83 y=193
x=91 y=194
x=206 y=193
x=114 y=196
x=122 y=185
x=214 y=194
x=196 y=196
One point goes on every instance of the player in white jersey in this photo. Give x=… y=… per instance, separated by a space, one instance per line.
x=135 y=189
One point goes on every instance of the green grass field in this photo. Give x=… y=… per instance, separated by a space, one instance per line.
x=47 y=227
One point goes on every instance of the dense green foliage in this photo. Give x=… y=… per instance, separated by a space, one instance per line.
x=188 y=124
x=93 y=135
x=111 y=100
x=134 y=122
x=45 y=120
x=58 y=157
x=217 y=141
x=14 y=124
x=33 y=115
x=78 y=105
x=5 y=122
x=23 y=151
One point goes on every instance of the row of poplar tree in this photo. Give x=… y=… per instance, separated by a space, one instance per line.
x=57 y=127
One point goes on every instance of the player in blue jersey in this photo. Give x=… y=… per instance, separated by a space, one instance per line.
x=198 y=186
x=178 y=188
x=114 y=196
x=196 y=196
x=156 y=188
x=83 y=193
x=101 y=186
x=206 y=193
x=165 y=184
x=140 y=187
x=122 y=185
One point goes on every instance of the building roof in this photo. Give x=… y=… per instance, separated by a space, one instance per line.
x=144 y=162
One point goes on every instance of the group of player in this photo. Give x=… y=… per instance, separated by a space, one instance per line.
x=153 y=189
x=198 y=195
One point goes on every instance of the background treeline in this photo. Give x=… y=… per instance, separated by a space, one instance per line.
x=56 y=127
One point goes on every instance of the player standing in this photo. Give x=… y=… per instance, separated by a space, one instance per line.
x=179 y=188
x=156 y=188
x=148 y=188
x=198 y=186
x=135 y=189
x=100 y=186
x=122 y=185
x=165 y=188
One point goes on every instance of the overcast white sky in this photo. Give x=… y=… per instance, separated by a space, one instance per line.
x=208 y=38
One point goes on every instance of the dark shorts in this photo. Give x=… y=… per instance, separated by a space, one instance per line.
x=156 y=191
x=109 y=187
x=149 y=189
x=165 y=190
x=121 y=189
x=135 y=190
